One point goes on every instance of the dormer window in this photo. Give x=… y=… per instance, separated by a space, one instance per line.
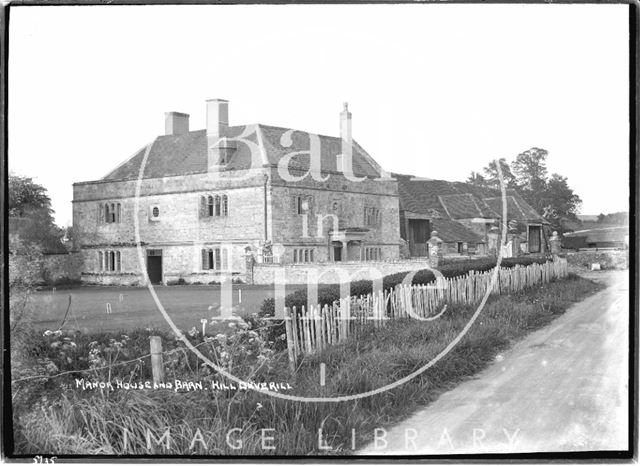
x=221 y=152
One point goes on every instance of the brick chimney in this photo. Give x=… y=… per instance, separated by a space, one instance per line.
x=220 y=149
x=176 y=123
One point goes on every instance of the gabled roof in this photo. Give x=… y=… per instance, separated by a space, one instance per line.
x=449 y=199
x=187 y=153
x=517 y=208
x=456 y=200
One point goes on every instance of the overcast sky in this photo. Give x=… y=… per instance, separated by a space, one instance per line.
x=435 y=90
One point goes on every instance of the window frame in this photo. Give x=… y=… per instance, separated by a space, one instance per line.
x=216 y=258
x=209 y=206
x=224 y=208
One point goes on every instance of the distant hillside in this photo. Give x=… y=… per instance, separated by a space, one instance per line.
x=616 y=218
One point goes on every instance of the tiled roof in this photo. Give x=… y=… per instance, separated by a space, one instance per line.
x=187 y=153
x=465 y=206
x=456 y=200
x=279 y=142
x=451 y=231
x=450 y=199
x=422 y=196
x=517 y=208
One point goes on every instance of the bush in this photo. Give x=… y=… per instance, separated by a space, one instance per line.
x=179 y=281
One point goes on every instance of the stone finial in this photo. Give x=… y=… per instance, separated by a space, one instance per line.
x=555 y=243
x=346 y=106
x=434 y=240
x=435 y=252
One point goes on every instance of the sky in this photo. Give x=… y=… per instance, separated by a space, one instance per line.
x=435 y=90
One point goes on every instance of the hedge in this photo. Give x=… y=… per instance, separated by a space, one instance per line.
x=327 y=294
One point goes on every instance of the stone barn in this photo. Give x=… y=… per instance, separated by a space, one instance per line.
x=467 y=218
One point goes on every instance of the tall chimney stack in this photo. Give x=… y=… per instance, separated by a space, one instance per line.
x=220 y=149
x=345 y=137
x=176 y=123
x=217 y=118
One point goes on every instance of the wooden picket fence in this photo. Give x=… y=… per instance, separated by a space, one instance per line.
x=312 y=329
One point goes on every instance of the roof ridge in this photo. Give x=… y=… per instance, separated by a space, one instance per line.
x=299 y=130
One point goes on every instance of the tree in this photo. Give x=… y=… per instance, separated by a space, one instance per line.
x=558 y=201
x=491 y=178
x=491 y=174
x=551 y=196
x=26 y=196
x=530 y=169
x=601 y=217
x=31 y=215
x=477 y=179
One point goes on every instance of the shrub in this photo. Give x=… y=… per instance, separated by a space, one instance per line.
x=179 y=281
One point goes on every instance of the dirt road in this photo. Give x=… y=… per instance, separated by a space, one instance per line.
x=563 y=388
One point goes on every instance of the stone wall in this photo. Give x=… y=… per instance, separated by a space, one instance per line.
x=178 y=262
x=582 y=260
x=179 y=231
x=58 y=268
x=336 y=196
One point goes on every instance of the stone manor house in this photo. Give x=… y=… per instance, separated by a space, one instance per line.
x=243 y=201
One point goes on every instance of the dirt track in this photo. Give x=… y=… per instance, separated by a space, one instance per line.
x=562 y=388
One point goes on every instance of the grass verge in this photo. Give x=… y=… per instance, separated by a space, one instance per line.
x=249 y=423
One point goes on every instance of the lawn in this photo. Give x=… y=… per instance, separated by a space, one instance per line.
x=135 y=308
